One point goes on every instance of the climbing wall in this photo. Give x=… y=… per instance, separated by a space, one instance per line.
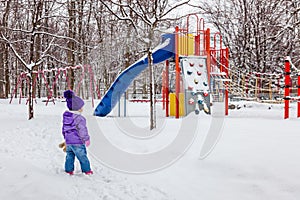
x=197 y=93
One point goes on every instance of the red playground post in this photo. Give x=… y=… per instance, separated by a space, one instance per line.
x=226 y=83
x=177 y=72
x=287 y=87
x=167 y=88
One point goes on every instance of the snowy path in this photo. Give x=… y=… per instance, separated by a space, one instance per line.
x=32 y=164
x=257 y=158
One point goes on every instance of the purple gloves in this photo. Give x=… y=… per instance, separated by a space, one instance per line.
x=87 y=143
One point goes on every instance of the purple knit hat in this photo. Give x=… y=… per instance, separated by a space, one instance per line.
x=73 y=102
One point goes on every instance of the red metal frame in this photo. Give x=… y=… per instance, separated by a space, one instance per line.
x=287 y=88
x=226 y=83
x=167 y=88
x=177 y=75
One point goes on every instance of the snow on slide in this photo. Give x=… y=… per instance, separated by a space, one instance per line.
x=161 y=53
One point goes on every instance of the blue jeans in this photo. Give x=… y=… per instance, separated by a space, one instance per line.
x=78 y=150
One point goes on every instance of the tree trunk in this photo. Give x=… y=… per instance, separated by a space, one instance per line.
x=152 y=92
x=71 y=44
x=7 y=82
x=2 y=70
x=33 y=58
x=30 y=97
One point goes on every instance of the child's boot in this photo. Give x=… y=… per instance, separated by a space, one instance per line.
x=89 y=172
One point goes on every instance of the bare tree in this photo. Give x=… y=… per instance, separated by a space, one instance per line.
x=33 y=57
x=71 y=43
x=4 y=69
x=145 y=17
x=39 y=37
x=259 y=32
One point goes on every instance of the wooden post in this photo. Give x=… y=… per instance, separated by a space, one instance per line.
x=244 y=83
x=270 y=89
x=256 y=86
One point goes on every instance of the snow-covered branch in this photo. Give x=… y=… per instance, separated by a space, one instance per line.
x=15 y=52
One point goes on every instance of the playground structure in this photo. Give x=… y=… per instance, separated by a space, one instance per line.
x=287 y=88
x=196 y=74
x=56 y=80
x=281 y=88
x=202 y=70
x=193 y=59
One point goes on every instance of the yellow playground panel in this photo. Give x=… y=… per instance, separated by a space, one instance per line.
x=186 y=44
x=172 y=99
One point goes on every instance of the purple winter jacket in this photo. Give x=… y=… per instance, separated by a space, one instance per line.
x=74 y=128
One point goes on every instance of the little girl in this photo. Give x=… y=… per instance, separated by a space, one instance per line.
x=75 y=134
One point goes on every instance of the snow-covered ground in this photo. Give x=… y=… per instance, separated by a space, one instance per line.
x=257 y=157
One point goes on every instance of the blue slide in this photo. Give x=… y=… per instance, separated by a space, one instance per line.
x=163 y=52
